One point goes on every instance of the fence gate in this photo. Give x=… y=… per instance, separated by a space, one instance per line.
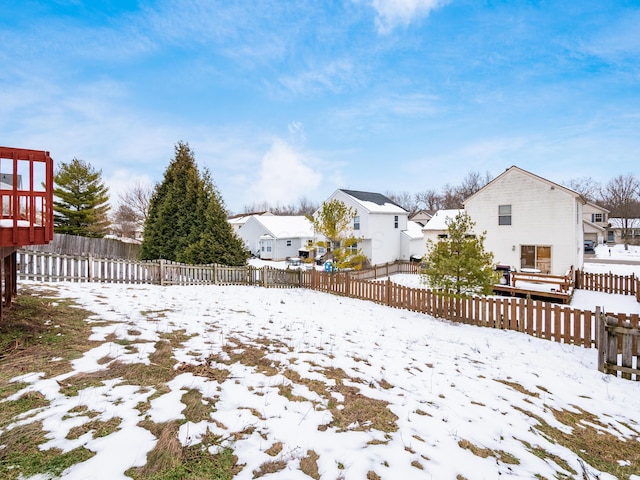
x=618 y=346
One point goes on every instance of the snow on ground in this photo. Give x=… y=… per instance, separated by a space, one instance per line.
x=443 y=384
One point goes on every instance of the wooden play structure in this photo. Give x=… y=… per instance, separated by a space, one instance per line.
x=26 y=209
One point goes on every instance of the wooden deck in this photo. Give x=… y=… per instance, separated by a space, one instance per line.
x=539 y=286
x=26 y=209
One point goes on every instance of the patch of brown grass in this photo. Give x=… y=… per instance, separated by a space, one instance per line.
x=198 y=408
x=38 y=329
x=595 y=446
x=499 y=455
x=516 y=386
x=98 y=427
x=274 y=449
x=272 y=466
x=309 y=465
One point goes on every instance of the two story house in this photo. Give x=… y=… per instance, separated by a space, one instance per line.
x=596 y=220
x=531 y=223
x=379 y=225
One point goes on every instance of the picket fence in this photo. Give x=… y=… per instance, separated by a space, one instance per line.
x=537 y=318
x=608 y=283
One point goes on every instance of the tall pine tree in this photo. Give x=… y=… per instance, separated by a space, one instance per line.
x=81 y=200
x=187 y=220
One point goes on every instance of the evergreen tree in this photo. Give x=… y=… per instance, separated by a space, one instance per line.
x=334 y=220
x=187 y=220
x=458 y=264
x=81 y=205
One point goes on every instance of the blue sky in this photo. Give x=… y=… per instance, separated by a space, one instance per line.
x=284 y=99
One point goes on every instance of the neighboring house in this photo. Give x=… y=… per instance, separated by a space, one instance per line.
x=378 y=225
x=615 y=231
x=596 y=220
x=237 y=221
x=422 y=216
x=530 y=222
x=276 y=237
x=412 y=243
x=438 y=226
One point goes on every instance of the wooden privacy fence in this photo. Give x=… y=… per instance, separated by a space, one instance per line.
x=619 y=346
x=608 y=283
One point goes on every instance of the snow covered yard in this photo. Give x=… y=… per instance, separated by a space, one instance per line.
x=301 y=384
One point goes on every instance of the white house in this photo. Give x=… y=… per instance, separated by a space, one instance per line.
x=530 y=222
x=438 y=225
x=596 y=220
x=617 y=228
x=240 y=219
x=412 y=242
x=379 y=224
x=276 y=237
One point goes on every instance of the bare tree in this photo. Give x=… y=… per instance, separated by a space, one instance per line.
x=429 y=200
x=621 y=195
x=129 y=217
x=473 y=182
x=587 y=187
x=125 y=222
x=303 y=207
x=405 y=200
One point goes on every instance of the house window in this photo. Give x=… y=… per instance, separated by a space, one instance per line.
x=443 y=235
x=288 y=243
x=309 y=243
x=395 y=221
x=597 y=217
x=536 y=257
x=504 y=214
x=356 y=222
x=353 y=248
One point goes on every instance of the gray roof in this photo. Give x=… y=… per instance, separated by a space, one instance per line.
x=376 y=198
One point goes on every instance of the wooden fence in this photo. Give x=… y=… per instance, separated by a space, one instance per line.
x=608 y=283
x=75 y=245
x=541 y=319
x=619 y=348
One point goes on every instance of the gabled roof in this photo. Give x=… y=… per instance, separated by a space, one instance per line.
x=286 y=226
x=374 y=202
x=440 y=218
x=529 y=174
x=414 y=230
x=590 y=226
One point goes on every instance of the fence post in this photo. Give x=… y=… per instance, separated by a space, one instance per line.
x=162 y=270
x=90 y=268
x=600 y=339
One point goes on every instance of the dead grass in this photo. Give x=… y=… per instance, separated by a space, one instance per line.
x=98 y=427
x=274 y=449
x=596 y=446
x=309 y=465
x=481 y=452
x=171 y=460
x=22 y=454
x=41 y=334
x=272 y=466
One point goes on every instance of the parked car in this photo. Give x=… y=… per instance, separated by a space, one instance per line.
x=589 y=246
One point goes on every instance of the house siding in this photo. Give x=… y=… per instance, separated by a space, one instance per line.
x=379 y=240
x=541 y=215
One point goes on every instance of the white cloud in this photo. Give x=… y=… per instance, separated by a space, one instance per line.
x=393 y=13
x=285 y=175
